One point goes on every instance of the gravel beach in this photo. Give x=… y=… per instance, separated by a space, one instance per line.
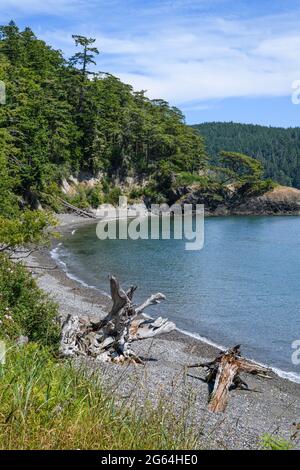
x=272 y=408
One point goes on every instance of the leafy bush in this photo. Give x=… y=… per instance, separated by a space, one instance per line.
x=94 y=196
x=261 y=187
x=113 y=196
x=105 y=185
x=51 y=197
x=186 y=179
x=25 y=228
x=24 y=308
x=46 y=404
x=153 y=195
x=270 y=442
x=79 y=199
x=135 y=194
x=165 y=177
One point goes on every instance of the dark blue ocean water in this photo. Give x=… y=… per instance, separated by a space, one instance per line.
x=242 y=287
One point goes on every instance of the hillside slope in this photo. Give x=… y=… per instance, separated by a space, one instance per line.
x=277 y=148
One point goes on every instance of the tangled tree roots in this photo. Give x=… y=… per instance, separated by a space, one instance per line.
x=109 y=340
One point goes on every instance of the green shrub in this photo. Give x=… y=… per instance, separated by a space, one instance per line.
x=51 y=197
x=26 y=228
x=135 y=194
x=79 y=199
x=105 y=186
x=113 y=196
x=186 y=179
x=153 y=194
x=24 y=308
x=269 y=442
x=95 y=196
x=263 y=186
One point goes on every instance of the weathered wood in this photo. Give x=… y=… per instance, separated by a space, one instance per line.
x=227 y=371
x=109 y=340
x=77 y=210
x=223 y=376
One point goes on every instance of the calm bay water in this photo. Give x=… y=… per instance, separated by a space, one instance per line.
x=242 y=287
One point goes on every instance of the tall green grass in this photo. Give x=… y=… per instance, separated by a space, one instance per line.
x=47 y=404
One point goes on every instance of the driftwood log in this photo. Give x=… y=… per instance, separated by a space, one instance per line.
x=223 y=375
x=109 y=340
x=77 y=210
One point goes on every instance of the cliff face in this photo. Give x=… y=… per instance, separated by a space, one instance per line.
x=280 y=201
x=226 y=200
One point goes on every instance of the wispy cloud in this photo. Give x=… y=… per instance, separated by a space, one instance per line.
x=171 y=49
x=17 y=8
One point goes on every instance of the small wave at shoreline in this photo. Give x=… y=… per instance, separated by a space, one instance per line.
x=55 y=256
x=291 y=376
x=288 y=375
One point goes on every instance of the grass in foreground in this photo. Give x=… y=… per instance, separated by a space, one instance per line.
x=46 y=404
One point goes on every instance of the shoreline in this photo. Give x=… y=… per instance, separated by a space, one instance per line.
x=69 y=224
x=248 y=416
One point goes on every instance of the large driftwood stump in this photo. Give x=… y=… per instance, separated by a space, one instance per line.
x=109 y=340
x=223 y=376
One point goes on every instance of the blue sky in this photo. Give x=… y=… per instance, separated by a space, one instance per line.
x=218 y=60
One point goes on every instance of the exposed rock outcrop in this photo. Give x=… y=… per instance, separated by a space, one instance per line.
x=280 y=201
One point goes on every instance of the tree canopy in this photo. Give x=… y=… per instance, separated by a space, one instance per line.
x=60 y=119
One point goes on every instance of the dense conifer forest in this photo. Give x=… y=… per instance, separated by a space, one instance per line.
x=60 y=118
x=277 y=148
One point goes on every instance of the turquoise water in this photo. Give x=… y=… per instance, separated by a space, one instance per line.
x=242 y=287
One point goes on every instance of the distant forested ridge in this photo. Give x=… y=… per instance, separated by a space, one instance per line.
x=277 y=148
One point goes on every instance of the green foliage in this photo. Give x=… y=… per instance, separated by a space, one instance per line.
x=270 y=442
x=8 y=200
x=26 y=228
x=45 y=404
x=242 y=167
x=244 y=173
x=113 y=196
x=24 y=308
x=188 y=179
x=85 y=57
x=79 y=199
x=152 y=195
x=95 y=196
x=61 y=119
x=165 y=176
x=136 y=194
x=277 y=149
x=258 y=187
x=56 y=118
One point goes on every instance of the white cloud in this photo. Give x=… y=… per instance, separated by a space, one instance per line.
x=283 y=49
x=31 y=7
x=183 y=66
x=181 y=58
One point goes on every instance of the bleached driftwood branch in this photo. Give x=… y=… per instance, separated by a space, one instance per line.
x=109 y=340
x=223 y=376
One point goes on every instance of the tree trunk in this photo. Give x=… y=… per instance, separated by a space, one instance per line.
x=223 y=376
